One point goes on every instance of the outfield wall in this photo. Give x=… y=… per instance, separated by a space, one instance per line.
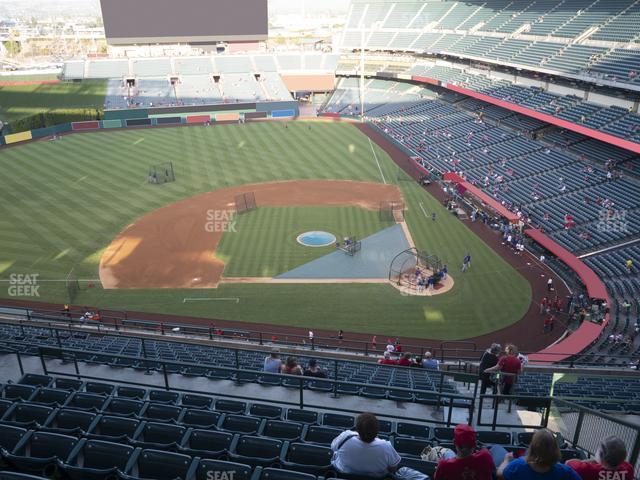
x=166 y=116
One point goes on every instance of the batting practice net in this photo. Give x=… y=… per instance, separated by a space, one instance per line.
x=245 y=202
x=391 y=211
x=408 y=266
x=162 y=173
x=73 y=285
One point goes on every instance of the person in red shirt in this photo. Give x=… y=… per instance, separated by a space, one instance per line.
x=509 y=364
x=387 y=360
x=467 y=463
x=611 y=462
x=405 y=361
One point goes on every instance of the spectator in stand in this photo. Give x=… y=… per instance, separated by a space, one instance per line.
x=291 y=367
x=363 y=453
x=489 y=359
x=417 y=362
x=509 y=366
x=387 y=360
x=272 y=363
x=390 y=348
x=467 y=463
x=542 y=461
x=430 y=362
x=405 y=361
x=610 y=462
x=313 y=370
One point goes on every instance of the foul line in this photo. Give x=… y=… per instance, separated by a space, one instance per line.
x=423 y=210
x=201 y=299
x=18 y=281
x=377 y=162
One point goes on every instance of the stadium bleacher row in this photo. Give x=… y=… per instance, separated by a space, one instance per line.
x=613 y=120
x=204 y=65
x=536 y=35
x=173 y=81
x=380 y=382
x=89 y=430
x=101 y=350
x=195 y=90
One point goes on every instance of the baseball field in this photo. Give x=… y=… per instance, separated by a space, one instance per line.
x=84 y=204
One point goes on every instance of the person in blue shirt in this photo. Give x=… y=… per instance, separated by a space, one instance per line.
x=542 y=461
x=272 y=363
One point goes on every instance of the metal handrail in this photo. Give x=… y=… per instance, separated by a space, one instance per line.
x=235 y=351
x=548 y=403
x=259 y=337
x=443 y=399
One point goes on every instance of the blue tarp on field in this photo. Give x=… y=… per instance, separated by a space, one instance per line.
x=372 y=261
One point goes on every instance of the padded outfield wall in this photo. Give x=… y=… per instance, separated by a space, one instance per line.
x=160 y=116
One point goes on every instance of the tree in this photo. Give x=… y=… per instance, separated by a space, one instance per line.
x=12 y=46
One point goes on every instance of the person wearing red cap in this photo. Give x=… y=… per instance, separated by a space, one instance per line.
x=467 y=464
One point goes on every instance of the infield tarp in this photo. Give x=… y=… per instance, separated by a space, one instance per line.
x=372 y=261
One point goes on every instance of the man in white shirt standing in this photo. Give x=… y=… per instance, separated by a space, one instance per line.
x=363 y=453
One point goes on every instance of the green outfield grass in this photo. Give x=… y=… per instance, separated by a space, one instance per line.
x=23 y=100
x=63 y=203
x=264 y=241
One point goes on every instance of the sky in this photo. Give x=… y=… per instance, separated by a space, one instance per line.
x=84 y=8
